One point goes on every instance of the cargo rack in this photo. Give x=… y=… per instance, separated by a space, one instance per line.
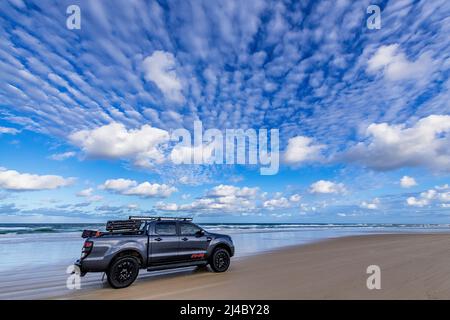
x=123 y=225
x=134 y=222
x=144 y=218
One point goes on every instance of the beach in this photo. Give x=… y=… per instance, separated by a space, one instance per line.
x=413 y=266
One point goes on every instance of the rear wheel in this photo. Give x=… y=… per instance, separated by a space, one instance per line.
x=123 y=272
x=220 y=260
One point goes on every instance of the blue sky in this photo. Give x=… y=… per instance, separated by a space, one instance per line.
x=363 y=114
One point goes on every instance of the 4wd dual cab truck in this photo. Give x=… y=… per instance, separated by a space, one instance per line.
x=152 y=243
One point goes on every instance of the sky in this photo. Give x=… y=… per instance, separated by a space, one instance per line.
x=87 y=115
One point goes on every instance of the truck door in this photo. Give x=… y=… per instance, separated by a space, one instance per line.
x=164 y=243
x=193 y=242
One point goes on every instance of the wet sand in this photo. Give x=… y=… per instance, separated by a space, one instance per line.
x=413 y=266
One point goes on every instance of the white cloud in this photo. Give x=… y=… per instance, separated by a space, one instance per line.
x=444 y=196
x=13 y=180
x=305 y=208
x=147 y=189
x=167 y=206
x=396 y=65
x=85 y=193
x=277 y=203
x=184 y=154
x=382 y=57
x=116 y=142
x=281 y=202
x=295 y=198
x=324 y=186
x=412 y=201
x=132 y=188
x=281 y=215
x=88 y=193
x=95 y=198
x=429 y=195
x=427 y=143
x=62 y=156
x=160 y=69
x=222 y=198
x=443 y=187
x=184 y=180
x=341 y=214
x=301 y=149
x=118 y=184
x=5 y=130
x=407 y=182
x=436 y=195
x=224 y=204
x=229 y=190
x=371 y=205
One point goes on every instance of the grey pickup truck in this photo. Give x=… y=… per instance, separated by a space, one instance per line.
x=152 y=243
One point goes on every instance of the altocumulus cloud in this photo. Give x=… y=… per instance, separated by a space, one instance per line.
x=160 y=69
x=396 y=66
x=16 y=181
x=308 y=68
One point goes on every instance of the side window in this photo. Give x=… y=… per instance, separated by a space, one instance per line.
x=166 y=228
x=188 y=229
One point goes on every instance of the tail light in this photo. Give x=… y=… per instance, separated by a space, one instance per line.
x=87 y=248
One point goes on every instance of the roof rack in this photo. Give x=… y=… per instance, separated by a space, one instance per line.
x=141 y=218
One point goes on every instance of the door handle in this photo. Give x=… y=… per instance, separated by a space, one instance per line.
x=185 y=239
x=158 y=239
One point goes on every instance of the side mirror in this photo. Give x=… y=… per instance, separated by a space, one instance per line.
x=199 y=233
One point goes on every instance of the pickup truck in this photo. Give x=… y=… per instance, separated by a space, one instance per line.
x=152 y=243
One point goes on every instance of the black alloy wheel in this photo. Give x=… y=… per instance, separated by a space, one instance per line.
x=123 y=272
x=220 y=260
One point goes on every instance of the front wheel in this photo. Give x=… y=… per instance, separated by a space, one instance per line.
x=123 y=272
x=220 y=260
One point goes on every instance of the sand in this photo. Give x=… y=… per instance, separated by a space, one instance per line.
x=413 y=266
